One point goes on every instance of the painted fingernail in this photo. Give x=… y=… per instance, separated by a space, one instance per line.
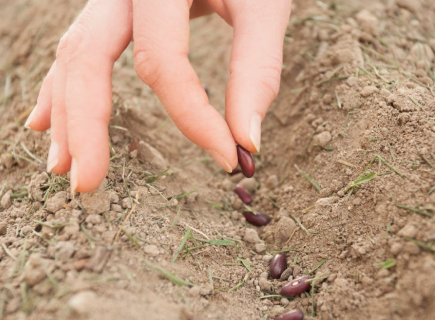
x=53 y=156
x=29 y=119
x=255 y=130
x=221 y=160
x=74 y=176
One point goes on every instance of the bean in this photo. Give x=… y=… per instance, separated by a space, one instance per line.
x=296 y=287
x=294 y=314
x=256 y=218
x=235 y=171
x=243 y=194
x=246 y=161
x=277 y=265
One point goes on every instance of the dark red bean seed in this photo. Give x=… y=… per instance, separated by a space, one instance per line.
x=296 y=287
x=235 y=171
x=295 y=314
x=246 y=161
x=256 y=218
x=243 y=194
x=277 y=265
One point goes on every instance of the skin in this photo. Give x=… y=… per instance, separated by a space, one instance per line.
x=76 y=96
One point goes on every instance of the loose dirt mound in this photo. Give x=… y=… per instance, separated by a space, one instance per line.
x=347 y=172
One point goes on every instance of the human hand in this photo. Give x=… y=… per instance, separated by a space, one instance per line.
x=76 y=95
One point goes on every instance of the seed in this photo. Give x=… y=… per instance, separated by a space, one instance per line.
x=235 y=171
x=295 y=314
x=243 y=194
x=246 y=161
x=277 y=265
x=256 y=218
x=296 y=287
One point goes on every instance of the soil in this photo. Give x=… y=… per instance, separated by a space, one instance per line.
x=346 y=172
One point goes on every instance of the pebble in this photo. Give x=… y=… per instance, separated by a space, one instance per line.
x=322 y=139
x=57 y=202
x=272 y=182
x=264 y=284
x=94 y=219
x=83 y=302
x=285 y=227
x=250 y=184
x=6 y=200
x=284 y=301
x=396 y=248
x=409 y=231
x=116 y=208
x=260 y=247
x=96 y=202
x=64 y=250
x=151 y=249
x=368 y=22
x=227 y=185
x=286 y=274
x=151 y=155
x=3 y=228
x=411 y=248
x=368 y=90
x=25 y=230
x=126 y=203
x=251 y=236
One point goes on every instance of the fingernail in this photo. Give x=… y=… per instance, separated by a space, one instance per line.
x=221 y=160
x=73 y=176
x=53 y=156
x=29 y=119
x=255 y=130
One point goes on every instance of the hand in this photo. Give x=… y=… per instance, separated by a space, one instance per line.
x=76 y=95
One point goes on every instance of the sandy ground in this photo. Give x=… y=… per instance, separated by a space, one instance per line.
x=346 y=172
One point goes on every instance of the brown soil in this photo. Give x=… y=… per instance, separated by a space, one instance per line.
x=356 y=101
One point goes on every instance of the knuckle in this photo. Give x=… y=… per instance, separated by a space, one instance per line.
x=148 y=67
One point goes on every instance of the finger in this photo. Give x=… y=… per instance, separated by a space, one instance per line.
x=95 y=41
x=39 y=118
x=255 y=66
x=161 y=37
x=59 y=159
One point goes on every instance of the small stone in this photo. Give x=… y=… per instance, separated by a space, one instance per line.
x=251 y=236
x=411 y=248
x=352 y=81
x=366 y=281
x=322 y=139
x=64 y=250
x=265 y=285
x=126 y=203
x=237 y=203
x=368 y=22
x=286 y=274
x=116 y=208
x=409 y=231
x=285 y=228
x=296 y=271
x=71 y=228
x=113 y=196
x=3 y=228
x=194 y=292
x=99 y=258
x=396 y=248
x=260 y=247
x=79 y=265
x=98 y=201
x=94 y=219
x=83 y=302
x=227 y=185
x=272 y=182
x=235 y=215
x=267 y=258
x=57 y=202
x=206 y=289
x=250 y=184
x=151 y=249
x=368 y=90
x=383 y=273
x=151 y=155
x=284 y=301
x=6 y=200
x=25 y=230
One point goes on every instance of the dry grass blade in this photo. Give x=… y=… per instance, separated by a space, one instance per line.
x=416 y=210
x=308 y=178
x=128 y=216
x=169 y=275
